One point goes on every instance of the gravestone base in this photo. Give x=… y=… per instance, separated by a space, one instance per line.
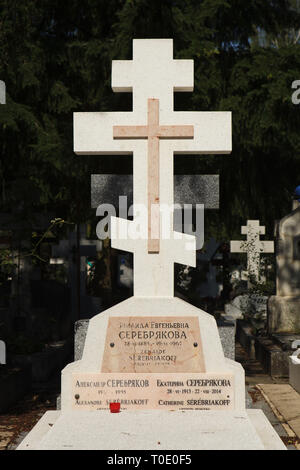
x=271 y=351
x=283 y=328
x=274 y=351
x=78 y=427
x=226 y=331
x=283 y=314
x=153 y=429
x=272 y=357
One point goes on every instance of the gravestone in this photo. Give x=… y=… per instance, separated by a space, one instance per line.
x=252 y=307
x=254 y=247
x=155 y=356
x=284 y=307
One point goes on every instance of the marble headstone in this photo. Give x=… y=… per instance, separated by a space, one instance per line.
x=254 y=247
x=159 y=358
x=284 y=307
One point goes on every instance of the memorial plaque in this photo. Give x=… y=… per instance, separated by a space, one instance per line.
x=153 y=344
x=153 y=391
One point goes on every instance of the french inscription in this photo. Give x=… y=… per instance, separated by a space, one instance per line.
x=153 y=391
x=153 y=344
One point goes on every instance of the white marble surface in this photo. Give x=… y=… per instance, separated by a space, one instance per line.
x=205 y=430
x=214 y=359
x=153 y=73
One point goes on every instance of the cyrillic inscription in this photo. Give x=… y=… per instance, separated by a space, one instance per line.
x=153 y=391
x=153 y=344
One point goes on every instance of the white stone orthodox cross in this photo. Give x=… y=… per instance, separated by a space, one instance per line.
x=253 y=246
x=153 y=132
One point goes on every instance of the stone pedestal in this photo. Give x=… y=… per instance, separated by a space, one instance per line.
x=284 y=307
x=284 y=314
x=156 y=358
x=233 y=427
x=149 y=430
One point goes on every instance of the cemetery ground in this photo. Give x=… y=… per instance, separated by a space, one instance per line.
x=21 y=418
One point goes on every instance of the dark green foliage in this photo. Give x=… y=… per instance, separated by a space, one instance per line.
x=55 y=58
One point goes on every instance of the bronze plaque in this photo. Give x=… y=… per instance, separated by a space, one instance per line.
x=153 y=391
x=153 y=344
